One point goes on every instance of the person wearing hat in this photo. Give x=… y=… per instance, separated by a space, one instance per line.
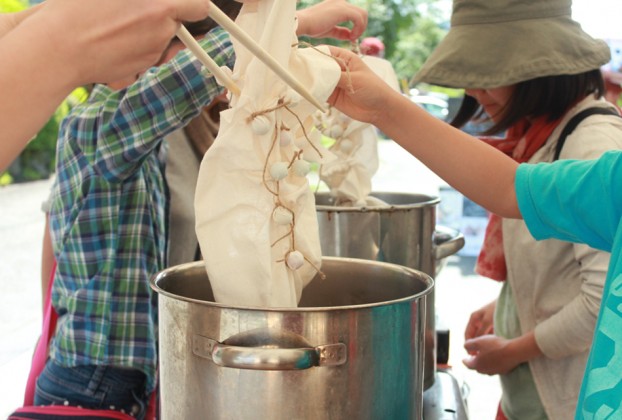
x=527 y=68
x=576 y=200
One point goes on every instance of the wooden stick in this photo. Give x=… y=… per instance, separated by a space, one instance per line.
x=186 y=37
x=230 y=26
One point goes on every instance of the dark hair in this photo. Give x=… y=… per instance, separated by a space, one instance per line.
x=551 y=96
x=229 y=7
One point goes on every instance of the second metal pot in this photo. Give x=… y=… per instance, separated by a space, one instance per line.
x=403 y=232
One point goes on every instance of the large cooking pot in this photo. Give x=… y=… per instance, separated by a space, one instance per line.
x=403 y=232
x=351 y=350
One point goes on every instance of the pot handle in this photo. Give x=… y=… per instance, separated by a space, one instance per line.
x=447 y=242
x=261 y=358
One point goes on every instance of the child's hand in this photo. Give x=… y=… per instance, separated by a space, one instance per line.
x=322 y=19
x=360 y=93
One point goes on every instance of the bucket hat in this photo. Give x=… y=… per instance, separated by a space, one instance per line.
x=494 y=43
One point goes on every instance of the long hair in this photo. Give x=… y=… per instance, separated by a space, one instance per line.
x=551 y=96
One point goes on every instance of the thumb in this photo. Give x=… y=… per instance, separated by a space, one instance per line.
x=469 y=362
x=472 y=345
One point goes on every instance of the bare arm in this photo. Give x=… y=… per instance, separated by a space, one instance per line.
x=479 y=171
x=62 y=44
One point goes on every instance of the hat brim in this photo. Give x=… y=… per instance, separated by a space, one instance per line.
x=485 y=56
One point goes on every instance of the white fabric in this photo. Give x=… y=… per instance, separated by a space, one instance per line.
x=243 y=246
x=356 y=147
x=558 y=285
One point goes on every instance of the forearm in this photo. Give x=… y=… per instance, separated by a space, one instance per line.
x=33 y=83
x=463 y=161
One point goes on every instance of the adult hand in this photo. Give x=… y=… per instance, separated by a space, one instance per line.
x=322 y=19
x=109 y=40
x=490 y=355
x=481 y=321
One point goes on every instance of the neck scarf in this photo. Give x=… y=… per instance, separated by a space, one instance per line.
x=522 y=141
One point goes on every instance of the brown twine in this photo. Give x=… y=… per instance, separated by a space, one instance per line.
x=340 y=61
x=282 y=104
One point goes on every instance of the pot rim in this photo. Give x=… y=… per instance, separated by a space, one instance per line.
x=427 y=279
x=425 y=201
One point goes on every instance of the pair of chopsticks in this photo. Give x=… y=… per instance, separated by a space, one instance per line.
x=230 y=26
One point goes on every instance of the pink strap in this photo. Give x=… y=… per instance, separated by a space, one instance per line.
x=41 y=351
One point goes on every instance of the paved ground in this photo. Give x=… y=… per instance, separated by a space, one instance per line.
x=458 y=290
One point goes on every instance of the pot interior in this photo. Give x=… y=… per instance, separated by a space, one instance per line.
x=348 y=282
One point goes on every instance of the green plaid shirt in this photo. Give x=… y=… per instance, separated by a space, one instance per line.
x=108 y=214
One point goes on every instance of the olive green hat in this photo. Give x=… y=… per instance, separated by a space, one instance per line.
x=493 y=43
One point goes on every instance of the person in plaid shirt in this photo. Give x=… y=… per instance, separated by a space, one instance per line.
x=109 y=220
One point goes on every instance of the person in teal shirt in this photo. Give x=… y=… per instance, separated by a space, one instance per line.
x=573 y=200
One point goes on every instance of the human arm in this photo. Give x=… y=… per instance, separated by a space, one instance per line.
x=322 y=20
x=463 y=161
x=62 y=44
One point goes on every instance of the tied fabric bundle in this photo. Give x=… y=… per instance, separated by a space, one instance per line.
x=522 y=141
x=255 y=212
x=356 y=146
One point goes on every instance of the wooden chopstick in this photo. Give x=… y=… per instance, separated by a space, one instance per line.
x=230 y=26
x=186 y=37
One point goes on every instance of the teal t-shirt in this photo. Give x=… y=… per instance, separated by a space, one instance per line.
x=581 y=201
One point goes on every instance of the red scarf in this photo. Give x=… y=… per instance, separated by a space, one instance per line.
x=522 y=141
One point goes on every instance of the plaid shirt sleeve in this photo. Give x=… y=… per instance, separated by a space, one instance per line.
x=161 y=101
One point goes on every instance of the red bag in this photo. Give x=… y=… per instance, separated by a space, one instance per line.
x=61 y=412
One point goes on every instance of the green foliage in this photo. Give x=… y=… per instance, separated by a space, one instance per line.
x=409 y=29
x=38 y=159
x=10 y=6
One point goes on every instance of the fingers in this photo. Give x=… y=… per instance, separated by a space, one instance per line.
x=358 y=18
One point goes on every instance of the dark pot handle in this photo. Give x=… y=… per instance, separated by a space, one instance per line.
x=447 y=242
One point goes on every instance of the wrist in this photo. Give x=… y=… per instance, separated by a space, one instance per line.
x=524 y=348
x=301 y=27
x=389 y=114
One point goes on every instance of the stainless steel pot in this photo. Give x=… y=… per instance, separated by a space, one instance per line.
x=351 y=350
x=404 y=232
